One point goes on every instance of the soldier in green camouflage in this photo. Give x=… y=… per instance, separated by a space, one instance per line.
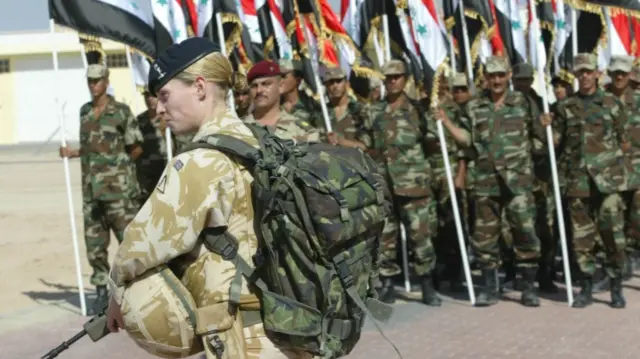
x=619 y=71
x=503 y=126
x=543 y=188
x=446 y=245
x=110 y=142
x=152 y=161
x=590 y=129
x=397 y=135
x=348 y=117
x=293 y=101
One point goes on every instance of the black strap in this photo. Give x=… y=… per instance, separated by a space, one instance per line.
x=341 y=264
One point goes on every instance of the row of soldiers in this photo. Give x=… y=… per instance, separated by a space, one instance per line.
x=497 y=153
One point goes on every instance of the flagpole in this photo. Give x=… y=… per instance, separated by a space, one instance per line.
x=223 y=50
x=467 y=48
x=67 y=174
x=574 y=40
x=127 y=50
x=552 y=158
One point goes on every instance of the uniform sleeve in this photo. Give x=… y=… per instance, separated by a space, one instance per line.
x=132 y=133
x=558 y=126
x=197 y=190
x=536 y=130
x=620 y=115
x=465 y=121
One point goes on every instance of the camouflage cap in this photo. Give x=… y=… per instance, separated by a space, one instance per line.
x=335 y=73
x=394 y=67
x=97 y=71
x=496 y=64
x=523 y=71
x=620 y=63
x=585 y=61
x=635 y=74
x=289 y=66
x=459 y=80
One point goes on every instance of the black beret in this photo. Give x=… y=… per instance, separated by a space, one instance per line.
x=176 y=58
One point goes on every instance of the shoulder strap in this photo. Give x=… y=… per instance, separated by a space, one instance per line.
x=228 y=145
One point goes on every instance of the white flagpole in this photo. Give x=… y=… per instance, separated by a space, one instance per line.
x=552 y=159
x=574 y=40
x=134 y=87
x=67 y=175
x=467 y=48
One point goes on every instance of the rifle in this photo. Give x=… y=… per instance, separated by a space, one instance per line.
x=96 y=328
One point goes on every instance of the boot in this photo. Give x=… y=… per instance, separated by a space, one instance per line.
x=602 y=284
x=627 y=272
x=545 y=280
x=529 y=296
x=585 y=297
x=487 y=295
x=387 y=293
x=429 y=294
x=617 y=299
x=102 y=300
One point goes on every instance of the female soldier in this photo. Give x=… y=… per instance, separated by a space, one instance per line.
x=199 y=189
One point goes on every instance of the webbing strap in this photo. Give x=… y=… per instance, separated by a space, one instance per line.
x=342 y=267
x=185 y=303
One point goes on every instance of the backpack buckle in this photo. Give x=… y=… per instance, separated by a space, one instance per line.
x=342 y=267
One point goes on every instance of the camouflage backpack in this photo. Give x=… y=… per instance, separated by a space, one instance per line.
x=319 y=215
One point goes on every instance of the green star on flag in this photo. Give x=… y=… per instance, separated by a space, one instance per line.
x=134 y=5
x=162 y=2
x=176 y=33
x=422 y=29
x=561 y=24
x=203 y=2
x=286 y=56
x=516 y=25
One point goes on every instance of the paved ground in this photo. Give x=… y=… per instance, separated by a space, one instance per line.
x=39 y=302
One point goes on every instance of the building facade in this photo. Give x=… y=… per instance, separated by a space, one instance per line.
x=34 y=99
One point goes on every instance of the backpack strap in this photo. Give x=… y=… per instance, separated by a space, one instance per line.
x=219 y=241
x=228 y=145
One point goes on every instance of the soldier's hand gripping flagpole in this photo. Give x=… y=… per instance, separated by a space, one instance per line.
x=67 y=175
x=552 y=156
x=456 y=211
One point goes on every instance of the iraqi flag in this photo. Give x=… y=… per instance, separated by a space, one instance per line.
x=431 y=40
x=130 y=22
x=276 y=42
x=170 y=16
x=511 y=30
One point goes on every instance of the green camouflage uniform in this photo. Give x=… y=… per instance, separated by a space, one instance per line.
x=591 y=129
x=289 y=127
x=632 y=101
x=352 y=121
x=109 y=184
x=151 y=164
x=447 y=243
x=502 y=175
x=397 y=139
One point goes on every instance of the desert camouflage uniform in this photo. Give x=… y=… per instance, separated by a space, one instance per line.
x=592 y=131
x=200 y=188
x=110 y=188
x=151 y=163
x=289 y=127
x=396 y=138
x=502 y=147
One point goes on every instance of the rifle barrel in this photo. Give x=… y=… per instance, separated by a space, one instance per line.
x=64 y=346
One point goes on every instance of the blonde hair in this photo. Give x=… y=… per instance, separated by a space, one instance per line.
x=215 y=68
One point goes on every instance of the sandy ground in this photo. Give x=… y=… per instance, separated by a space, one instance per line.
x=36 y=245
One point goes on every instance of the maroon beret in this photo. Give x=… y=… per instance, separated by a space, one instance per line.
x=263 y=68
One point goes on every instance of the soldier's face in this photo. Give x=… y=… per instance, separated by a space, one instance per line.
x=394 y=84
x=265 y=92
x=289 y=82
x=497 y=82
x=97 y=87
x=150 y=101
x=336 y=88
x=619 y=79
x=560 y=91
x=523 y=84
x=242 y=99
x=587 y=79
x=461 y=95
x=181 y=105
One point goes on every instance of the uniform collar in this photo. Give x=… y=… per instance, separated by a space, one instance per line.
x=215 y=123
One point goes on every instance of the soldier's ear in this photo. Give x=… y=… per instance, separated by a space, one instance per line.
x=200 y=85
